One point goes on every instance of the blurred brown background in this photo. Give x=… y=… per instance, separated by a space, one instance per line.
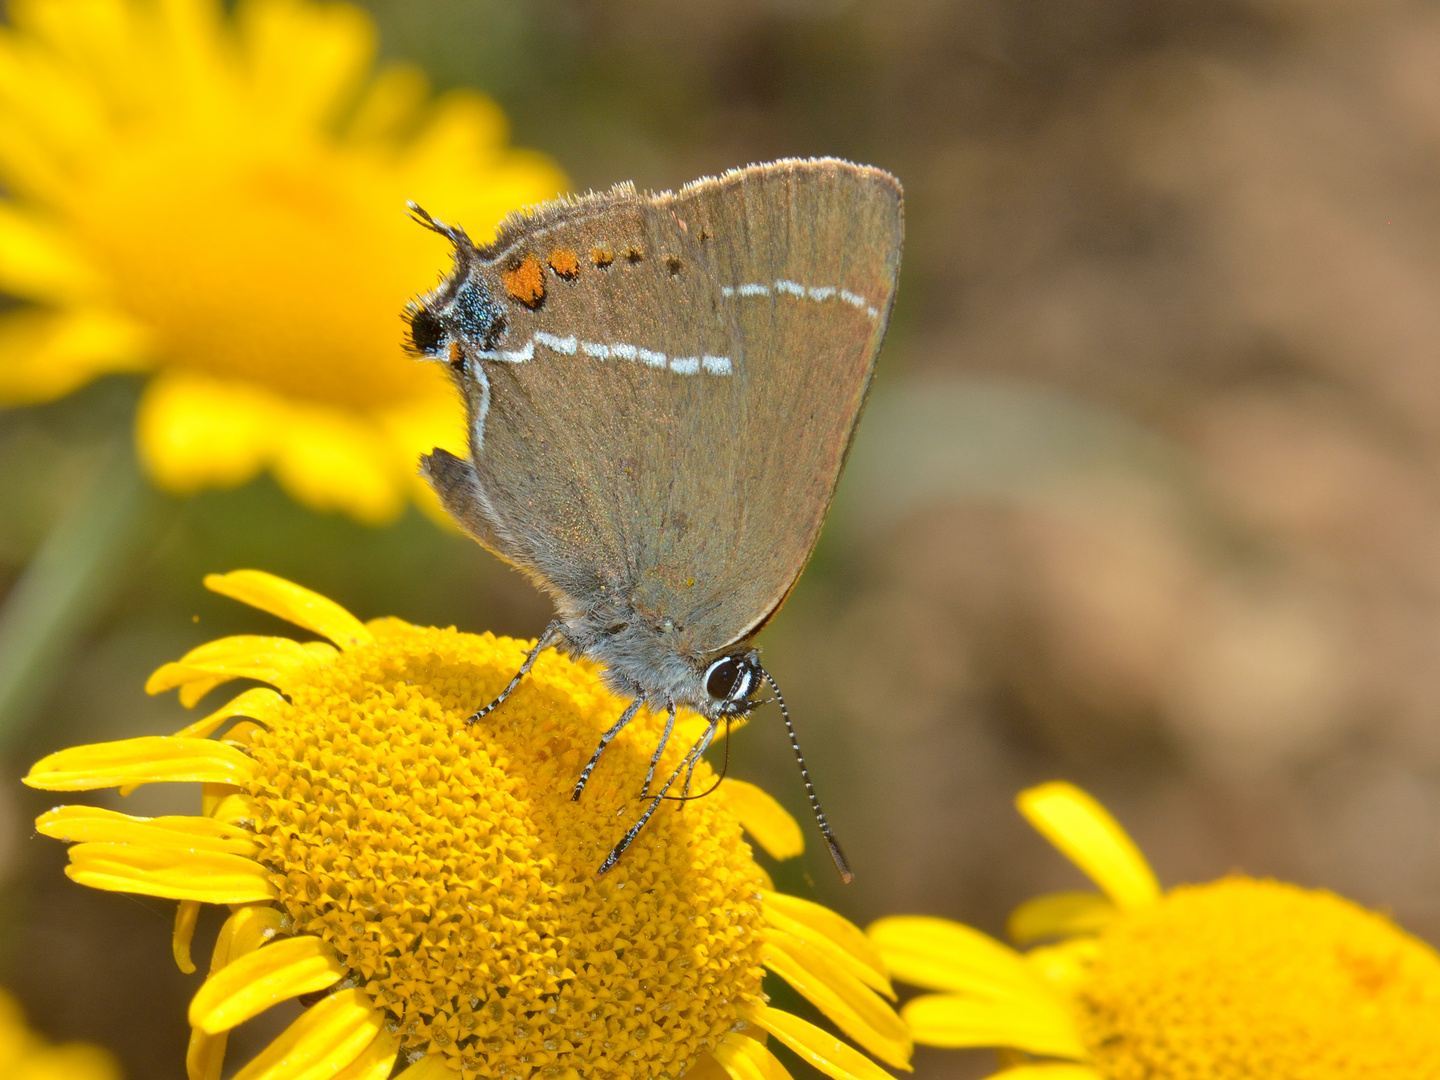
x=1148 y=495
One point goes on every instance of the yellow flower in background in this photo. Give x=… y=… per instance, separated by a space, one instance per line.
x=24 y=1055
x=1238 y=979
x=220 y=201
x=427 y=887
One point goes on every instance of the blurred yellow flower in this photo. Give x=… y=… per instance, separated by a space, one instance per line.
x=220 y=201
x=427 y=887
x=1237 y=979
x=26 y=1056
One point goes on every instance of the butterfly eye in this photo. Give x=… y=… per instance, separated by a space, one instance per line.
x=426 y=332
x=720 y=677
x=730 y=678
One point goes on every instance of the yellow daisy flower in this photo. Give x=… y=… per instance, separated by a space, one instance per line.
x=1238 y=979
x=427 y=887
x=220 y=201
x=24 y=1055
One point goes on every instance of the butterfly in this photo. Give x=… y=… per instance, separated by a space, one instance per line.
x=661 y=390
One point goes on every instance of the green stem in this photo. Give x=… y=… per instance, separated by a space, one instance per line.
x=68 y=585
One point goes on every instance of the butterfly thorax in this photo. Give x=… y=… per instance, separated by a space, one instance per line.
x=645 y=656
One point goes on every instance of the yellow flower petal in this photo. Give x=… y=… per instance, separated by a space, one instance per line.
x=429 y=1067
x=276 y=660
x=244 y=931
x=942 y=955
x=1057 y=915
x=707 y=1068
x=292 y=603
x=747 y=1059
x=462 y=126
x=196 y=875
x=837 y=928
x=321 y=650
x=39 y=262
x=186 y=912
x=206 y=876
x=768 y=823
x=73 y=1061
x=376 y=1060
x=242 y=734
x=331 y=460
x=205 y=1056
x=250 y=985
x=1066 y=965
x=1040 y=1025
x=328 y=1036
x=95 y=824
x=88 y=31
x=148 y=759
x=424 y=422
x=46 y=354
x=852 y=1007
x=876 y=980
x=1090 y=838
x=193 y=431
x=304 y=60
x=258 y=703
x=193 y=691
x=389 y=106
x=816 y=1046
x=237 y=808
x=1047 y=1072
x=36 y=89
x=192 y=31
x=212 y=795
x=27 y=163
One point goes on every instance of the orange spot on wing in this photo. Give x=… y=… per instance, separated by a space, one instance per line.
x=526 y=282
x=602 y=257
x=565 y=263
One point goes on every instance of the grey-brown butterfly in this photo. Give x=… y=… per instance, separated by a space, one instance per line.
x=661 y=390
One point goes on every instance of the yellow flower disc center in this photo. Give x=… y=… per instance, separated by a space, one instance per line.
x=455 y=878
x=268 y=263
x=1244 y=978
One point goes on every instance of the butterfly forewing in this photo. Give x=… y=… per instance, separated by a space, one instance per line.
x=665 y=419
x=584 y=441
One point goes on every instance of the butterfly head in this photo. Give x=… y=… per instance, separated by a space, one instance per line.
x=460 y=314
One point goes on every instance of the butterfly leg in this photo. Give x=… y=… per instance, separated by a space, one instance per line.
x=545 y=640
x=655 y=759
x=615 y=729
x=692 y=756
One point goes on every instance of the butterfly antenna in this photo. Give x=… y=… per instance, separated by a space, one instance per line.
x=453 y=233
x=830 y=841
